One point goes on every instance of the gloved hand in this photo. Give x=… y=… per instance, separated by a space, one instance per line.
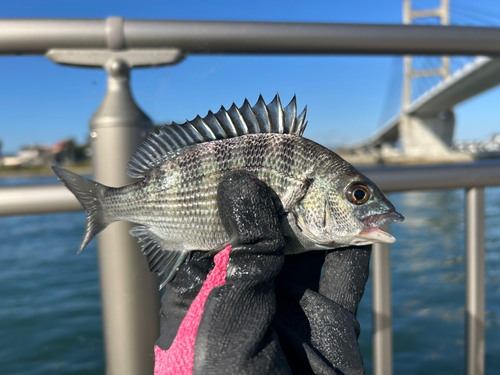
x=262 y=317
x=317 y=298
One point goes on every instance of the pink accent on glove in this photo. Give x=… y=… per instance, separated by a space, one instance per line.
x=179 y=358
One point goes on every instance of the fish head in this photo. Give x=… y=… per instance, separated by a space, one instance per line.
x=345 y=209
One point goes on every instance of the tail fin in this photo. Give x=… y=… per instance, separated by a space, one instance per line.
x=89 y=194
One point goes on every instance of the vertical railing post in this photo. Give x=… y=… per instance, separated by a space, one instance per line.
x=130 y=299
x=129 y=293
x=382 y=309
x=475 y=280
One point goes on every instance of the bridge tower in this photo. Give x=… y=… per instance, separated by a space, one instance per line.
x=430 y=134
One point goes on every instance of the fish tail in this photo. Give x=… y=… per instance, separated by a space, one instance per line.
x=89 y=194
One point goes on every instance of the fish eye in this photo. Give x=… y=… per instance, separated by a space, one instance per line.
x=357 y=193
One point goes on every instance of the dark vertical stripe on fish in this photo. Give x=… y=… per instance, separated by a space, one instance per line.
x=288 y=156
x=255 y=153
x=223 y=154
x=273 y=156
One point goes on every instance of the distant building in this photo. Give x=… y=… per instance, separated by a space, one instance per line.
x=495 y=138
x=68 y=152
x=481 y=149
x=65 y=152
x=31 y=155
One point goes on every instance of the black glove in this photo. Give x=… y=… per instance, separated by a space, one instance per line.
x=316 y=315
x=263 y=321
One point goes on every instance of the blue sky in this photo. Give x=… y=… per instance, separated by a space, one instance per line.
x=43 y=103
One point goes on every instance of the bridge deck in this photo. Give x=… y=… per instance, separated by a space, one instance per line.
x=474 y=78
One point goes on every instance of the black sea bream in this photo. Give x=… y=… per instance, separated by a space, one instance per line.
x=324 y=202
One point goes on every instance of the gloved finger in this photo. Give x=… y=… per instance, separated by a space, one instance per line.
x=248 y=213
x=339 y=274
x=180 y=293
x=318 y=294
x=235 y=334
x=324 y=336
x=302 y=271
x=345 y=274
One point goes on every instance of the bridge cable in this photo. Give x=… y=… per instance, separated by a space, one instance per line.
x=467 y=9
x=392 y=98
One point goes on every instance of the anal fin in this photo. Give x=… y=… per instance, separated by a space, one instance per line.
x=160 y=260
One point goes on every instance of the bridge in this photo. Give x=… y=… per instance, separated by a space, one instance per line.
x=130 y=297
x=424 y=126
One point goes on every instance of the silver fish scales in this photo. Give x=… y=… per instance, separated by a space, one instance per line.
x=324 y=202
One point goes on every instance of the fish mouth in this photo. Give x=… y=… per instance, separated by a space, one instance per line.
x=383 y=219
x=373 y=233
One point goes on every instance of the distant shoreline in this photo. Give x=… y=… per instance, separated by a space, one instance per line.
x=40 y=172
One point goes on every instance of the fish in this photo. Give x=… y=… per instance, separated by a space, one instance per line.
x=323 y=202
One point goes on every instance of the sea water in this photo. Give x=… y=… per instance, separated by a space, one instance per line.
x=50 y=317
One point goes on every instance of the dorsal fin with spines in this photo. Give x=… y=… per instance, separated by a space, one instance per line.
x=261 y=118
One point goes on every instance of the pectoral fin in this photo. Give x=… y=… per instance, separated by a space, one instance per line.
x=160 y=260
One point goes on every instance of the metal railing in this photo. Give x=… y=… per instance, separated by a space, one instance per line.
x=37 y=36
x=118 y=126
x=473 y=177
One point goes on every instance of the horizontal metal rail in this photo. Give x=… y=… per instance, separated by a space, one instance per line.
x=37 y=199
x=37 y=36
x=439 y=176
